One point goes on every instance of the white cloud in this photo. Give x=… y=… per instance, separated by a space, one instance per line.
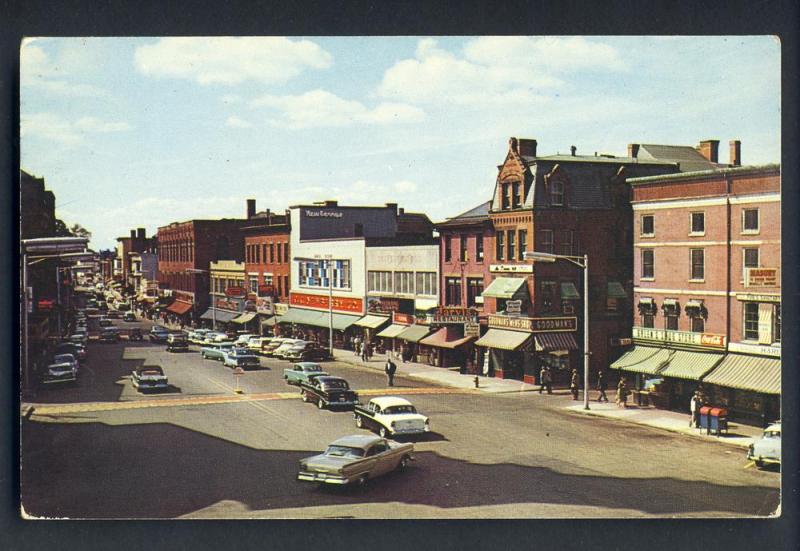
x=231 y=98
x=318 y=108
x=226 y=60
x=38 y=71
x=53 y=127
x=236 y=122
x=494 y=70
x=405 y=186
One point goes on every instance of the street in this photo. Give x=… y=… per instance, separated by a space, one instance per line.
x=100 y=449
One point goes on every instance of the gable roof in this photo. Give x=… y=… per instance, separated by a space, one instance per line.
x=689 y=158
x=473 y=215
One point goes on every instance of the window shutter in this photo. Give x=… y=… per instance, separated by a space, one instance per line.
x=765 y=323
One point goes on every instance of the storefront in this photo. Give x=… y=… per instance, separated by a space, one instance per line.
x=387 y=337
x=222 y=313
x=371 y=324
x=449 y=347
x=180 y=311
x=410 y=351
x=315 y=325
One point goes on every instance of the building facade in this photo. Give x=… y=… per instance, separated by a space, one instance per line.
x=707 y=297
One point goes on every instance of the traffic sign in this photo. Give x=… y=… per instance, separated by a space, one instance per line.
x=238 y=371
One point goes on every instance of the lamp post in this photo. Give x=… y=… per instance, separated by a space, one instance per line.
x=583 y=263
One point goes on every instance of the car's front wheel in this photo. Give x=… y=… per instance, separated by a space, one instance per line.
x=304 y=396
x=403 y=465
x=320 y=404
x=359 y=422
x=759 y=464
x=383 y=432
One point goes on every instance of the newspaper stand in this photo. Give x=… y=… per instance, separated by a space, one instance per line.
x=718 y=420
x=705 y=422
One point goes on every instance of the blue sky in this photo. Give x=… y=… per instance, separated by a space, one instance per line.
x=141 y=132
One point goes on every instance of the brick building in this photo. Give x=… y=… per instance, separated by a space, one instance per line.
x=128 y=250
x=706 y=308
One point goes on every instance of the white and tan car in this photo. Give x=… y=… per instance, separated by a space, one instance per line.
x=391 y=416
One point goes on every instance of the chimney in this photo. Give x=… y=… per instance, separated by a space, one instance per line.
x=141 y=233
x=401 y=211
x=251 y=208
x=330 y=203
x=633 y=150
x=573 y=149
x=392 y=206
x=709 y=149
x=736 y=152
x=524 y=147
x=133 y=234
x=269 y=217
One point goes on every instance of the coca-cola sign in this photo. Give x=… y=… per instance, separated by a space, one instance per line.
x=235 y=291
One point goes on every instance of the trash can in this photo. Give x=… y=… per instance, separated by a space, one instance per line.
x=718 y=420
x=704 y=417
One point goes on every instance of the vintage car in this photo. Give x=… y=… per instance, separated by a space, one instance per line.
x=356 y=459
x=308 y=352
x=274 y=344
x=215 y=337
x=77 y=350
x=109 y=334
x=241 y=339
x=328 y=392
x=301 y=372
x=129 y=316
x=215 y=351
x=64 y=369
x=254 y=343
x=159 y=334
x=391 y=416
x=149 y=377
x=105 y=322
x=239 y=357
x=116 y=314
x=281 y=351
x=177 y=343
x=767 y=449
x=197 y=336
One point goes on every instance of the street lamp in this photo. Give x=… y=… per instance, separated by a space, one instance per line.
x=583 y=263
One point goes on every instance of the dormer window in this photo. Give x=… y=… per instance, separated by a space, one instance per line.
x=515 y=196
x=556 y=193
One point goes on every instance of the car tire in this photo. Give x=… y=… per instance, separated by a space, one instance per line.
x=320 y=404
x=383 y=432
x=304 y=396
x=759 y=463
x=359 y=422
x=403 y=465
x=203 y=354
x=361 y=482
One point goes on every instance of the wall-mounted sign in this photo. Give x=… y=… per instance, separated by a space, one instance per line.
x=264 y=306
x=761 y=277
x=322 y=213
x=706 y=340
x=45 y=304
x=183 y=296
x=621 y=342
x=266 y=290
x=227 y=304
x=402 y=319
x=235 y=291
x=511 y=268
x=383 y=305
x=513 y=306
x=759 y=349
x=340 y=304
x=280 y=308
x=753 y=297
x=542 y=325
x=472 y=329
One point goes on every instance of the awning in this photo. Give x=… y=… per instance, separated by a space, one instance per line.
x=270 y=321
x=642 y=359
x=504 y=287
x=754 y=373
x=244 y=318
x=550 y=342
x=223 y=316
x=414 y=333
x=614 y=289
x=318 y=318
x=500 y=338
x=179 y=308
x=694 y=304
x=568 y=291
x=646 y=301
x=669 y=303
x=446 y=337
x=392 y=331
x=371 y=321
x=690 y=365
x=425 y=304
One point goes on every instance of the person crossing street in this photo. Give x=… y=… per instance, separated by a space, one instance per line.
x=390 y=369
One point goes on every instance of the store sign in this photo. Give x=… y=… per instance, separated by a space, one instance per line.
x=340 y=304
x=513 y=306
x=541 y=325
x=708 y=340
x=45 y=304
x=266 y=290
x=511 y=268
x=761 y=277
x=453 y=315
x=761 y=350
x=402 y=319
x=472 y=329
x=321 y=213
x=183 y=296
x=280 y=308
x=383 y=305
x=235 y=291
x=516 y=324
x=227 y=304
x=752 y=297
x=264 y=306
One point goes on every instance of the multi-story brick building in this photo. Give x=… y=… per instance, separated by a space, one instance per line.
x=706 y=308
x=128 y=257
x=568 y=205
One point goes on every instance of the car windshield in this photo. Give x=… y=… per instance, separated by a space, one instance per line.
x=310 y=368
x=151 y=372
x=63 y=358
x=344 y=451
x=772 y=434
x=336 y=384
x=398 y=410
x=241 y=352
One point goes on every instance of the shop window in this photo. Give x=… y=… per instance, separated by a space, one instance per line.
x=474 y=290
x=647 y=228
x=697 y=223
x=556 y=193
x=253 y=284
x=750 y=259
x=751 y=321
x=648 y=264
x=565 y=242
x=479 y=248
x=750 y=221
x=499 y=240
x=463 y=253
x=698 y=266
x=523 y=244
x=547 y=241
x=548 y=290
x=511 y=244
x=448 y=248
x=776 y=320
x=453 y=291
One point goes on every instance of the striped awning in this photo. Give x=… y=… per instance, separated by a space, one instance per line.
x=690 y=365
x=506 y=340
x=569 y=291
x=179 y=307
x=414 y=333
x=550 y=342
x=642 y=359
x=505 y=287
x=446 y=337
x=244 y=318
x=372 y=321
x=753 y=373
x=392 y=331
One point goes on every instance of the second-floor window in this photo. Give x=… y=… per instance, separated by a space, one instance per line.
x=511 y=244
x=426 y=283
x=565 y=245
x=750 y=222
x=698 y=264
x=749 y=260
x=379 y=282
x=272 y=253
x=776 y=319
x=286 y=252
x=547 y=241
x=698 y=223
x=557 y=193
x=479 y=248
x=462 y=248
x=404 y=283
x=474 y=290
x=648 y=228
x=253 y=284
x=453 y=291
x=499 y=242
x=548 y=290
x=280 y=250
x=751 y=321
x=448 y=248
x=523 y=244
x=648 y=264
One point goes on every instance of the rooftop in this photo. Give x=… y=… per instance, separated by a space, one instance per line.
x=713 y=173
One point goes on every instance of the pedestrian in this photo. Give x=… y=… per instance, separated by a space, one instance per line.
x=390 y=370
x=365 y=352
x=548 y=380
x=542 y=373
x=695 y=403
x=369 y=350
x=356 y=346
x=573 y=384
x=602 y=385
x=622 y=393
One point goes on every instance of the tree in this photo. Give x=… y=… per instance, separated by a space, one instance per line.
x=61 y=229
x=79 y=231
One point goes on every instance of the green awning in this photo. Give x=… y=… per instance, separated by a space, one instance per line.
x=500 y=338
x=504 y=287
x=615 y=290
x=269 y=322
x=372 y=321
x=244 y=318
x=392 y=331
x=414 y=333
x=219 y=315
x=642 y=359
x=318 y=318
x=568 y=291
x=690 y=365
x=754 y=373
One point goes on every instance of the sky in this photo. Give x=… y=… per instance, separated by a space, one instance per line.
x=141 y=132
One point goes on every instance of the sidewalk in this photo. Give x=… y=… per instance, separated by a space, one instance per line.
x=738 y=435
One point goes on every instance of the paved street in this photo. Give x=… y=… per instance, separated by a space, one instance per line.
x=102 y=450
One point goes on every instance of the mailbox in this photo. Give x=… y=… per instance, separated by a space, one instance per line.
x=704 y=417
x=718 y=420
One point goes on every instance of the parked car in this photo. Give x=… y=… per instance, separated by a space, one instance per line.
x=215 y=337
x=300 y=372
x=239 y=357
x=79 y=338
x=63 y=369
x=215 y=351
x=307 y=352
x=105 y=322
x=241 y=340
x=355 y=460
x=285 y=347
x=149 y=377
x=135 y=335
x=197 y=336
x=76 y=350
x=159 y=334
x=274 y=344
x=254 y=343
x=391 y=416
x=109 y=334
x=129 y=316
x=177 y=343
x=328 y=392
x=767 y=449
